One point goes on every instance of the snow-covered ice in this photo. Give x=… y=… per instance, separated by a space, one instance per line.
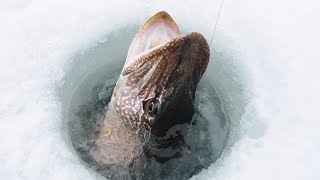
x=264 y=66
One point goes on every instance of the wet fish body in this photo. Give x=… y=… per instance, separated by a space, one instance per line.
x=152 y=103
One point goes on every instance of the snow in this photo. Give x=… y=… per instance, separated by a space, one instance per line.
x=264 y=66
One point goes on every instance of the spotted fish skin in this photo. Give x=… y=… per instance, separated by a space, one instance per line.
x=162 y=67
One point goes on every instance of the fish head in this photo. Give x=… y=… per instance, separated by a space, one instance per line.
x=157 y=85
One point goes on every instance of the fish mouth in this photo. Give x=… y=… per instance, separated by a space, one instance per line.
x=163 y=66
x=170 y=73
x=159 y=49
x=170 y=63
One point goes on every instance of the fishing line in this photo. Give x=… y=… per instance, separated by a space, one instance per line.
x=214 y=31
x=215 y=26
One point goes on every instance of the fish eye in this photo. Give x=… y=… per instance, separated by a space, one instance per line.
x=152 y=107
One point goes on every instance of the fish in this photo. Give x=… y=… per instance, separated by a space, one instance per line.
x=152 y=99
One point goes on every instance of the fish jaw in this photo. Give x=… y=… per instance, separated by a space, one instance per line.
x=164 y=66
x=168 y=73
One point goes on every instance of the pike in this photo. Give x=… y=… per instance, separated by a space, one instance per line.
x=154 y=93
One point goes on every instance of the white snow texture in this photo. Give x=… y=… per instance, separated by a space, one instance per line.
x=265 y=66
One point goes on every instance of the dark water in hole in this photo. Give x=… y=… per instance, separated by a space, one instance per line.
x=90 y=93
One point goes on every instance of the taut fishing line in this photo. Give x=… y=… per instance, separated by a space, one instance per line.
x=215 y=25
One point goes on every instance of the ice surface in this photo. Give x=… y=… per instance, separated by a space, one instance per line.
x=265 y=67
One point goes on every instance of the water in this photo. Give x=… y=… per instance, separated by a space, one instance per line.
x=205 y=136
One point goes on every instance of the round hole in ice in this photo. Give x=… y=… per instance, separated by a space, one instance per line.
x=87 y=91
